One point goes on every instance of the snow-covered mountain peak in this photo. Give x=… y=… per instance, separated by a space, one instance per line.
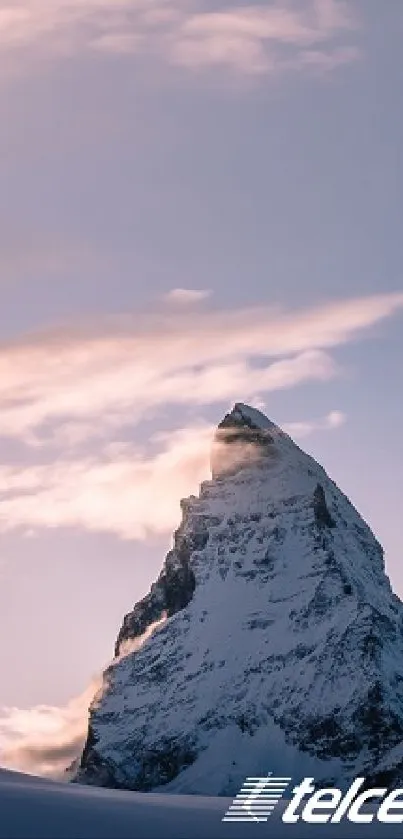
x=251 y=416
x=245 y=437
x=271 y=639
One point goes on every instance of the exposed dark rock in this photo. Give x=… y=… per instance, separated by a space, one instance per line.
x=375 y=723
x=320 y=508
x=172 y=592
x=160 y=765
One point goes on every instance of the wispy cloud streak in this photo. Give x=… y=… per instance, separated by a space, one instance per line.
x=68 y=397
x=333 y=420
x=127 y=367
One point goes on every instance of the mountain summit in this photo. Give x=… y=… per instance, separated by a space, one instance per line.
x=271 y=641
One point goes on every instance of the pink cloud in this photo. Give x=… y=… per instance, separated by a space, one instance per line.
x=67 y=393
x=121 y=369
x=248 y=38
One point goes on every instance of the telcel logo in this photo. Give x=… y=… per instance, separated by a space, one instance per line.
x=259 y=796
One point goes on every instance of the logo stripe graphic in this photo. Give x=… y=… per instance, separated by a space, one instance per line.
x=256 y=799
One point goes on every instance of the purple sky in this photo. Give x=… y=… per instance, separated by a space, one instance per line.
x=249 y=153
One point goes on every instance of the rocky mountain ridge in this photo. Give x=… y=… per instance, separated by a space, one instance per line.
x=271 y=641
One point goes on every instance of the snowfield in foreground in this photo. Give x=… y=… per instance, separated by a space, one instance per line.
x=32 y=808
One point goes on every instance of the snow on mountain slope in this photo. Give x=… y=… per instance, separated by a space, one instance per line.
x=271 y=641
